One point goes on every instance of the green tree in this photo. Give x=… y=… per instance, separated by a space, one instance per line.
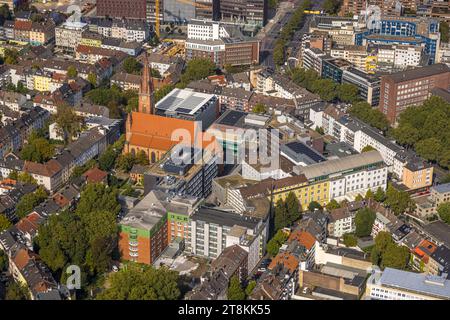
x=379 y=196
x=398 y=201
x=11 y=56
x=331 y=6
x=367 y=149
x=92 y=78
x=347 y=92
x=430 y=148
x=68 y=124
x=272 y=4
x=107 y=159
x=72 y=72
x=125 y=162
x=250 y=286
x=350 y=240
x=443 y=211
x=29 y=201
x=293 y=208
x=333 y=204
x=37 y=150
x=259 y=108
x=15 y=291
x=274 y=244
x=131 y=65
x=369 y=195
x=197 y=69
x=281 y=215
x=146 y=284
x=235 y=291
x=325 y=88
x=373 y=117
x=395 y=256
x=95 y=196
x=359 y=197
x=25 y=177
x=4 y=223
x=314 y=205
x=364 y=220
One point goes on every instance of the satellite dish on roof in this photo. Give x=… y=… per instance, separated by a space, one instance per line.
x=75 y=12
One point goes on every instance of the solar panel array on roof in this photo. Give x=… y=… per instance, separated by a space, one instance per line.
x=301 y=148
x=169 y=102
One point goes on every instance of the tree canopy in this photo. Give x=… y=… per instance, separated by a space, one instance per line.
x=276 y=242
x=29 y=201
x=67 y=122
x=197 y=69
x=235 y=291
x=364 y=220
x=146 y=284
x=398 y=201
x=425 y=128
x=287 y=212
x=38 y=149
x=386 y=253
x=443 y=211
x=131 y=65
x=4 y=223
x=327 y=89
x=371 y=116
x=86 y=237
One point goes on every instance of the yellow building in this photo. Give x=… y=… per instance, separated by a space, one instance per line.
x=38 y=37
x=417 y=175
x=91 y=42
x=42 y=82
x=305 y=192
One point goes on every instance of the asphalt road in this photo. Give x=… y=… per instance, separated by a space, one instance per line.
x=271 y=36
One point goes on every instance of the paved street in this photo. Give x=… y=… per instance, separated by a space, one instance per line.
x=271 y=32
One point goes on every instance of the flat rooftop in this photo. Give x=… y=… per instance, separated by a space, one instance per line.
x=184 y=101
x=225 y=218
x=419 y=73
x=340 y=165
x=423 y=284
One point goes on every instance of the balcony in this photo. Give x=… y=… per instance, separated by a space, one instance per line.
x=133 y=249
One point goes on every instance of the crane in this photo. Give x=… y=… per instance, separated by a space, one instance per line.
x=190 y=2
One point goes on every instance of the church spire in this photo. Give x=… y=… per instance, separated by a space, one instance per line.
x=146 y=89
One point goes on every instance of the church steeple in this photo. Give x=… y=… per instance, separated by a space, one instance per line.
x=146 y=89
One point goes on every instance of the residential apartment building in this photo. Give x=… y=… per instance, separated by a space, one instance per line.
x=349 y=176
x=412 y=87
x=68 y=35
x=212 y=230
x=144 y=230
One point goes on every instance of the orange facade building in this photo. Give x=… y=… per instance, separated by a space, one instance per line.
x=154 y=134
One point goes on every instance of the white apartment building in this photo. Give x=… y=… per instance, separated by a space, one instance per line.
x=393 y=284
x=209 y=229
x=399 y=56
x=356 y=133
x=349 y=176
x=356 y=55
x=407 y=56
x=68 y=35
x=206 y=30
